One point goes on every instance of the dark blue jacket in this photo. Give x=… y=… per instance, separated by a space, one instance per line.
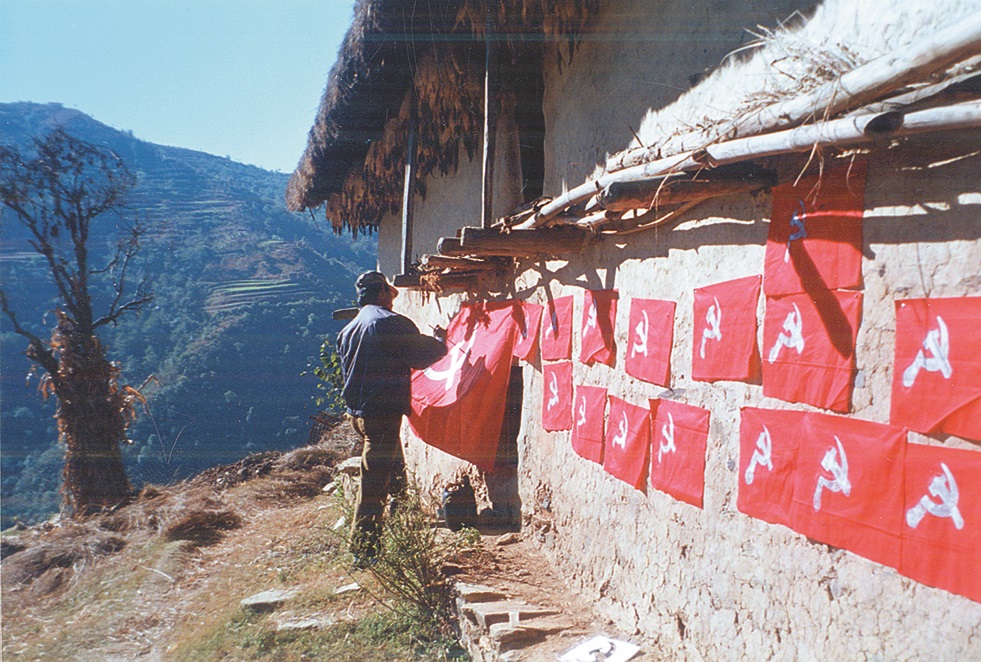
x=377 y=349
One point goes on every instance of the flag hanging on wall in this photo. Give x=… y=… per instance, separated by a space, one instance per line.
x=589 y=408
x=768 y=443
x=557 y=329
x=936 y=384
x=809 y=348
x=528 y=317
x=651 y=335
x=627 y=442
x=679 y=435
x=557 y=396
x=942 y=519
x=599 y=318
x=458 y=402
x=815 y=237
x=724 y=346
x=848 y=491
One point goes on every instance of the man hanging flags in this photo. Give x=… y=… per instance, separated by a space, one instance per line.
x=528 y=317
x=815 y=237
x=809 y=348
x=724 y=345
x=848 y=490
x=458 y=402
x=650 y=335
x=557 y=396
x=557 y=329
x=589 y=407
x=768 y=443
x=599 y=317
x=942 y=519
x=936 y=384
x=627 y=442
x=679 y=435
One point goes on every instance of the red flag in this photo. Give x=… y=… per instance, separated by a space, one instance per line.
x=679 y=434
x=724 y=346
x=942 y=519
x=599 y=318
x=849 y=487
x=557 y=330
x=768 y=443
x=528 y=317
x=936 y=382
x=809 y=348
x=627 y=442
x=815 y=239
x=589 y=406
x=557 y=396
x=650 y=334
x=458 y=402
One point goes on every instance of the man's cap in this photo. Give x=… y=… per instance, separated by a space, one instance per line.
x=370 y=282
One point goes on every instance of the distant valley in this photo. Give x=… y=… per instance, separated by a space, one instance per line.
x=244 y=292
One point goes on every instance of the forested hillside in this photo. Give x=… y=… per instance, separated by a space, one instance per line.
x=243 y=297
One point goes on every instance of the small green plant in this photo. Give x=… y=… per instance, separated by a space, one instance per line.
x=331 y=379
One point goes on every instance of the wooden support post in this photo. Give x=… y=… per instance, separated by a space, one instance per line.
x=407 y=197
x=491 y=103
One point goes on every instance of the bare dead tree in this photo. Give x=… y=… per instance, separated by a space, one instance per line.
x=57 y=190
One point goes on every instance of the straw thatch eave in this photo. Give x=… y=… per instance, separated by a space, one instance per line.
x=355 y=152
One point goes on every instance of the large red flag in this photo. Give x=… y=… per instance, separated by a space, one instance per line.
x=627 y=442
x=809 y=348
x=599 y=318
x=528 y=317
x=679 y=434
x=768 y=443
x=557 y=330
x=650 y=334
x=942 y=519
x=936 y=382
x=724 y=345
x=589 y=407
x=458 y=402
x=815 y=239
x=849 y=487
x=557 y=396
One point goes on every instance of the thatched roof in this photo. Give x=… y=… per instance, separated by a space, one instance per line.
x=356 y=149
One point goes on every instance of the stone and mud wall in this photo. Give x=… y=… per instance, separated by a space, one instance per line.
x=713 y=583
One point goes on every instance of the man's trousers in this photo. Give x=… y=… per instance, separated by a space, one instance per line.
x=382 y=474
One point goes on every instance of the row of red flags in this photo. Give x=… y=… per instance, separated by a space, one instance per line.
x=812 y=313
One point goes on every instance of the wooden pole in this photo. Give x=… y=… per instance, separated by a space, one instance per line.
x=407 y=197
x=560 y=240
x=672 y=190
x=847 y=132
x=491 y=103
x=854 y=89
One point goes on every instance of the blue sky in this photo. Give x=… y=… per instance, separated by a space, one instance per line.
x=237 y=78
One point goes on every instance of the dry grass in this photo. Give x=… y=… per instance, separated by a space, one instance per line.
x=163 y=578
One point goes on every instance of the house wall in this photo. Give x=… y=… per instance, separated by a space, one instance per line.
x=453 y=201
x=713 y=583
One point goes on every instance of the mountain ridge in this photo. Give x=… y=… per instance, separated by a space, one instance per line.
x=243 y=295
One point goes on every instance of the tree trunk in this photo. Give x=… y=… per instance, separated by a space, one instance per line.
x=92 y=420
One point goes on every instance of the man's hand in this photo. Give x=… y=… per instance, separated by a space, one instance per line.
x=439 y=333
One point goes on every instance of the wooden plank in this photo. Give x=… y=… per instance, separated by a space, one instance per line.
x=678 y=189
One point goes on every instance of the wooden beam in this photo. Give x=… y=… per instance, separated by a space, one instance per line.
x=559 y=240
x=459 y=263
x=678 y=189
x=845 y=132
